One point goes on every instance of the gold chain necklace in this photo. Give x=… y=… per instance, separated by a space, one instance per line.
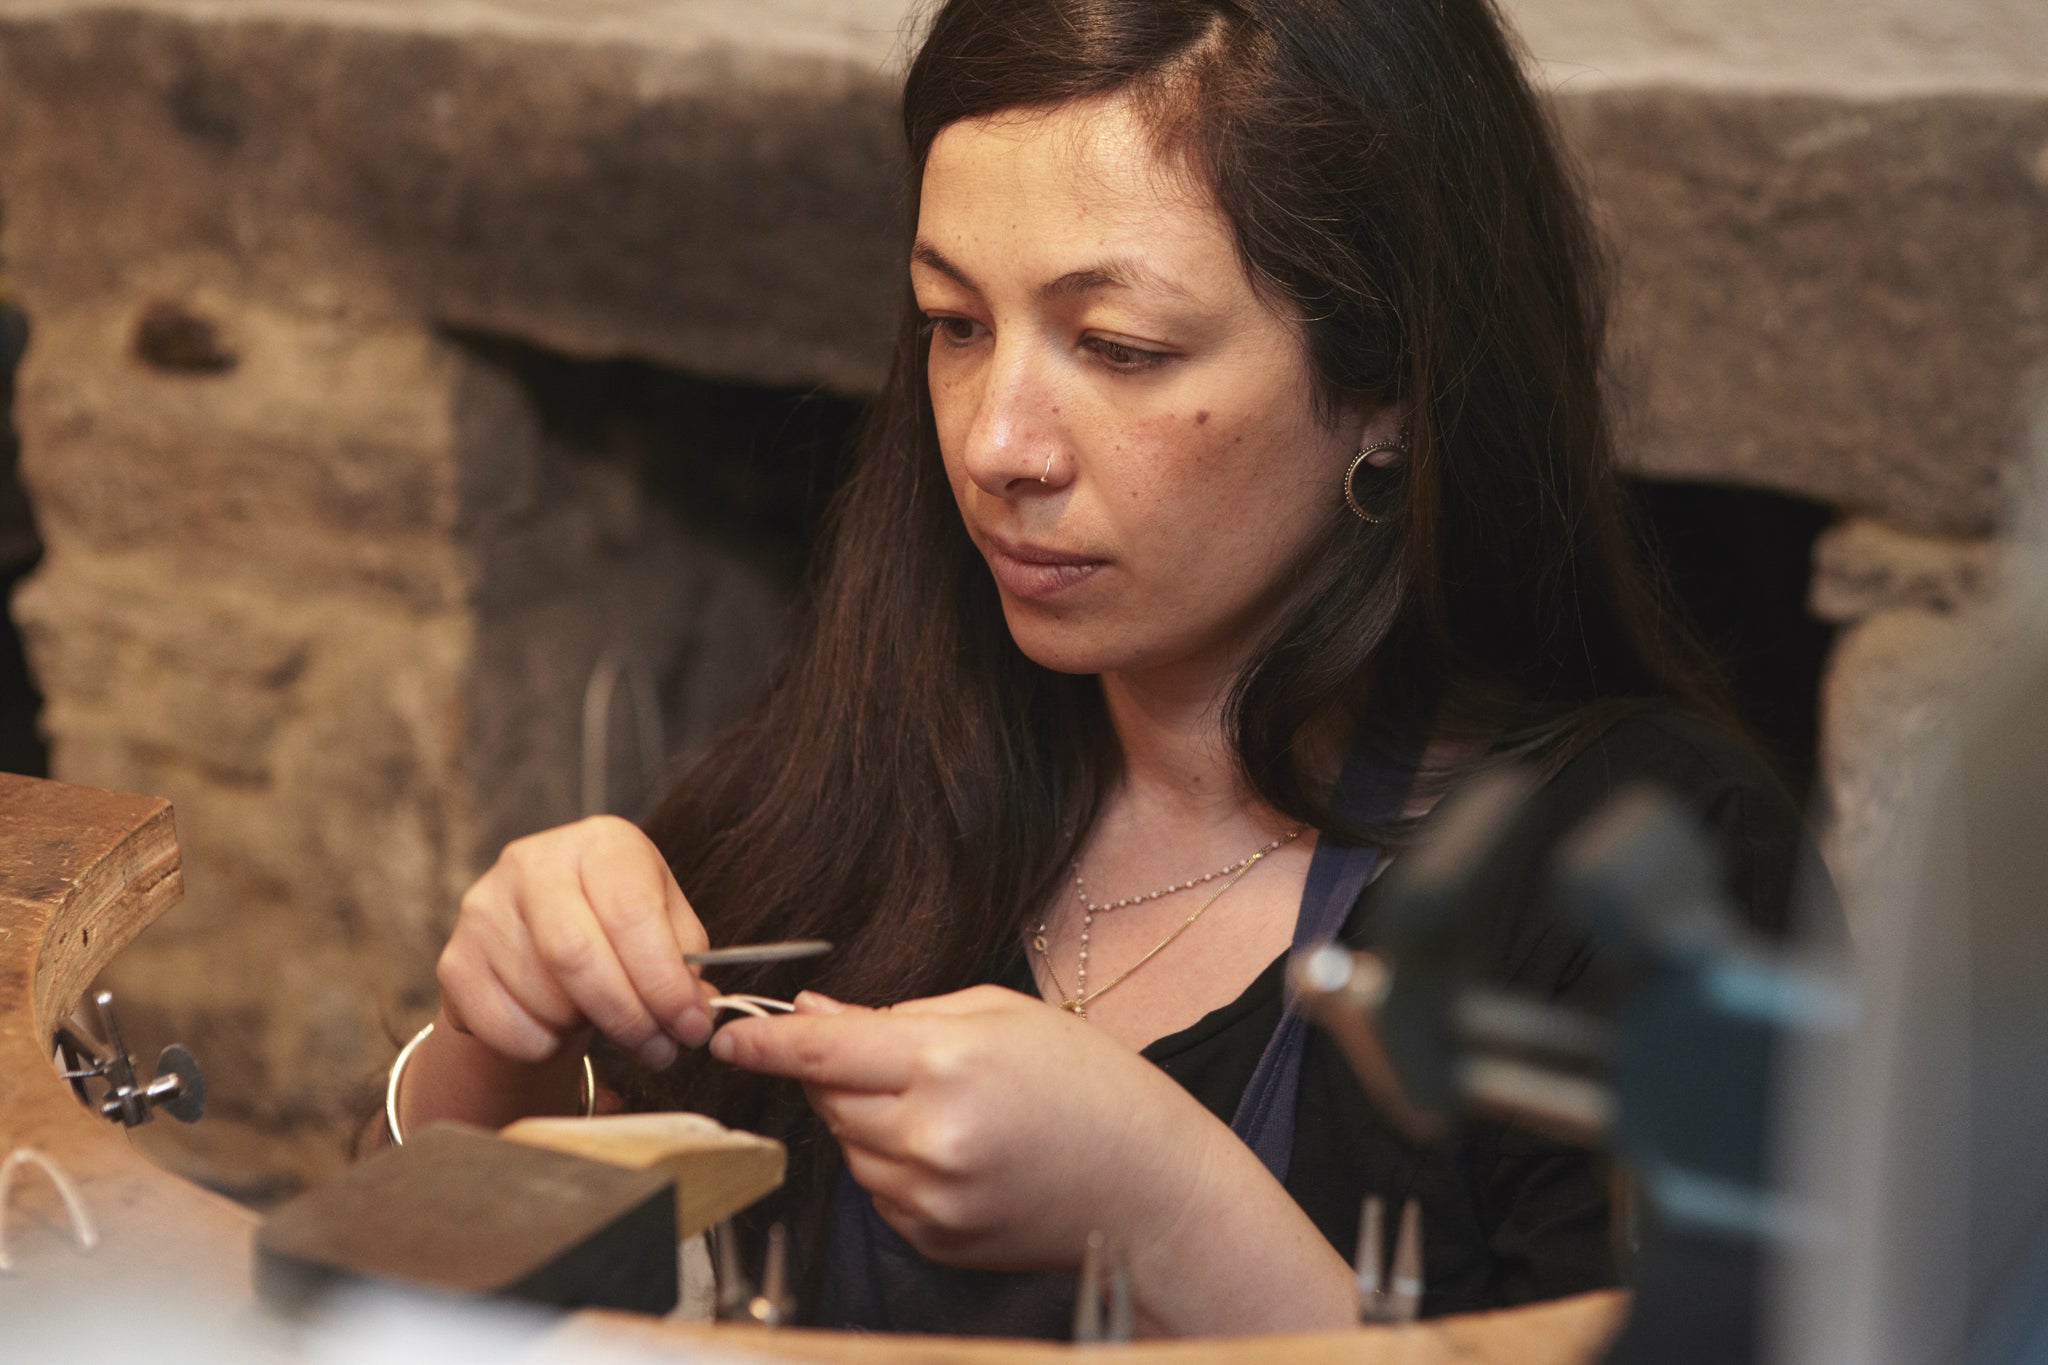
x=1081 y=891
x=1078 y=1002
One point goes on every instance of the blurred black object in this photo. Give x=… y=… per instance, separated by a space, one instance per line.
x=21 y=747
x=1680 y=1083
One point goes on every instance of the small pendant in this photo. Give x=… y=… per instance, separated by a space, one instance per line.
x=1075 y=1007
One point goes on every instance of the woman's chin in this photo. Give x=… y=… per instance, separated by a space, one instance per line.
x=1066 y=646
x=1081 y=647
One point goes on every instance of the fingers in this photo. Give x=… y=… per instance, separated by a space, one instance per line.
x=477 y=1003
x=689 y=931
x=973 y=1000
x=865 y=1050
x=574 y=947
x=578 y=925
x=935 y=1215
x=643 y=918
x=865 y=1119
x=492 y=987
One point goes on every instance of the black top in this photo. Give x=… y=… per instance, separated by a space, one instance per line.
x=1508 y=1217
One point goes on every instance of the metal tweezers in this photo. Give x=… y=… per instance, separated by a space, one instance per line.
x=1102 y=1311
x=1384 y=1299
x=773 y=1305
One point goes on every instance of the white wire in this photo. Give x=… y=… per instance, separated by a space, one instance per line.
x=83 y=1230
x=756 y=1005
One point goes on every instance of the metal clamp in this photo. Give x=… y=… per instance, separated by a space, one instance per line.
x=177 y=1088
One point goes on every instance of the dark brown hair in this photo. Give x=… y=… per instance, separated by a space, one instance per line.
x=910 y=785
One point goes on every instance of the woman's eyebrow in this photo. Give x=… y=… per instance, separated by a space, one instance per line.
x=924 y=253
x=1118 y=272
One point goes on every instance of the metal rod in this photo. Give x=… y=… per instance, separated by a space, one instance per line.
x=1570 y=1108
x=1493 y=1021
x=746 y=954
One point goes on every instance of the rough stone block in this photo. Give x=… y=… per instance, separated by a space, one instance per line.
x=704 y=195
x=1833 y=297
x=305 y=740
x=324 y=457
x=1896 y=683
x=1863 y=567
x=202 y=674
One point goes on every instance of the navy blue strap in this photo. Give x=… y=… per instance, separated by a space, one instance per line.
x=1370 y=791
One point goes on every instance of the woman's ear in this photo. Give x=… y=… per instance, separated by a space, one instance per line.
x=1382 y=434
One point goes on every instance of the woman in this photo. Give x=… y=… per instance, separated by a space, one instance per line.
x=1242 y=478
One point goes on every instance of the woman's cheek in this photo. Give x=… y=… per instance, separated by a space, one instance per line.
x=952 y=399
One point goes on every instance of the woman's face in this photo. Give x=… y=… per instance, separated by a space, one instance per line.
x=1127 y=426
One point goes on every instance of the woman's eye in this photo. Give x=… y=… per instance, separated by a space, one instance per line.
x=1120 y=355
x=955 y=331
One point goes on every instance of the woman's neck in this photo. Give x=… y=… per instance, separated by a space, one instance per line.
x=1176 y=758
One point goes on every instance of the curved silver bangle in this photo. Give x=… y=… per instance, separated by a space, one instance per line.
x=398 y=1065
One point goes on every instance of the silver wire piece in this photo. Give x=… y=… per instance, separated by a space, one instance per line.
x=759 y=1006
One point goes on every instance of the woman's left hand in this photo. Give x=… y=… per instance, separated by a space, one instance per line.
x=993 y=1130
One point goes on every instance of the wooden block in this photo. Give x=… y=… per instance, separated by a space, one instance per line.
x=461 y=1210
x=717 y=1171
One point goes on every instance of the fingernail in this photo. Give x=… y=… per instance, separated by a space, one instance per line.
x=721 y=1047
x=817 y=1002
x=658 y=1052
x=694 y=1026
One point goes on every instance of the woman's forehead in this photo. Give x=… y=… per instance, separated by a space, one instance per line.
x=1065 y=191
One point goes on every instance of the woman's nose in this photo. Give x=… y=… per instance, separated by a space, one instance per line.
x=1014 y=444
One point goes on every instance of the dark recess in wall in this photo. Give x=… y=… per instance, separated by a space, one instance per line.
x=21 y=746
x=1741 y=560
x=747 y=467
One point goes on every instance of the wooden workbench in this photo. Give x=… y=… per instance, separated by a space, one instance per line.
x=82 y=872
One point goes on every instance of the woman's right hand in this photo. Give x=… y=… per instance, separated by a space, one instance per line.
x=576 y=927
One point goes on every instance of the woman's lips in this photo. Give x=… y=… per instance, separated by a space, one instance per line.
x=1034 y=571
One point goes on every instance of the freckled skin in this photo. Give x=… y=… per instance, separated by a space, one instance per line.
x=1200 y=518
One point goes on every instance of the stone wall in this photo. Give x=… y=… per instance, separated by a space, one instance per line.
x=318 y=571
x=1856 y=47
x=314 y=569
x=1829 y=217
